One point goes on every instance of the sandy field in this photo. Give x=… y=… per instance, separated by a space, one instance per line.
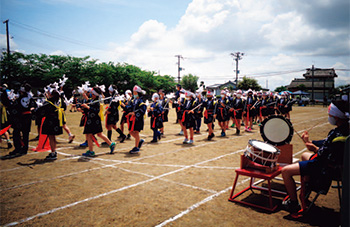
x=166 y=184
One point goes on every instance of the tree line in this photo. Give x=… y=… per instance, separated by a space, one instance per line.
x=39 y=70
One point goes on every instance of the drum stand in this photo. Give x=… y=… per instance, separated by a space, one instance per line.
x=252 y=173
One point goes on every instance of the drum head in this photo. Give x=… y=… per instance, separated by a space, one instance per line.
x=263 y=146
x=276 y=130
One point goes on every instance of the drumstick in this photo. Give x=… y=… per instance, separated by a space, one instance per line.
x=296 y=132
x=196 y=107
x=308 y=130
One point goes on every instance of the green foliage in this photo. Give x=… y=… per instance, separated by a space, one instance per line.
x=301 y=87
x=247 y=83
x=41 y=70
x=189 y=82
x=281 y=88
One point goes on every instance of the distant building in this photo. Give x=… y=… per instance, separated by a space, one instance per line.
x=323 y=82
x=218 y=87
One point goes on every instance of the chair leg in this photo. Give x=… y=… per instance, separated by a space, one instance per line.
x=339 y=194
x=312 y=203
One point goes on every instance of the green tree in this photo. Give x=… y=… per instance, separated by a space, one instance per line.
x=281 y=88
x=41 y=70
x=247 y=83
x=301 y=87
x=189 y=82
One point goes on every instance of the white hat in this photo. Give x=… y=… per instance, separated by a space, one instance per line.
x=223 y=92
x=190 y=94
x=154 y=96
x=138 y=89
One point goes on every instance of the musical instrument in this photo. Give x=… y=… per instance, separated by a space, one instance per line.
x=261 y=153
x=276 y=130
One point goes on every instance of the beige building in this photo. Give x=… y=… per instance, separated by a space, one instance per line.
x=323 y=82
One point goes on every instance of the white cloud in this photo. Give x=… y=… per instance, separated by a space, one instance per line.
x=274 y=37
x=3 y=43
x=58 y=52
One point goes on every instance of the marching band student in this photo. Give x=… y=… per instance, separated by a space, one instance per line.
x=188 y=118
x=53 y=112
x=64 y=106
x=238 y=105
x=112 y=115
x=84 y=112
x=155 y=112
x=222 y=114
x=93 y=122
x=164 y=102
x=5 y=121
x=281 y=104
x=210 y=113
x=21 y=119
x=234 y=96
x=178 y=104
x=75 y=101
x=135 y=118
x=272 y=105
x=289 y=104
x=249 y=111
x=126 y=102
x=316 y=167
x=198 y=113
x=263 y=107
x=257 y=97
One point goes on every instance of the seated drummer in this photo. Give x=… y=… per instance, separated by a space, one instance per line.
x=316 y=166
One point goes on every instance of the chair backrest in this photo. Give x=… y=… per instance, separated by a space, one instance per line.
x=345 y=185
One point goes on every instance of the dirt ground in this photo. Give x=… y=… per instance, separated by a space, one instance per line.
x=167 y=184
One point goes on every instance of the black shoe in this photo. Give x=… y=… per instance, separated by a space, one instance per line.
x=14 y=153
x=237 y=131
x=51 y=156
x=123 y=137
x=128 y=137
x=209 y=137
x=9 y=145
x=159 y=136
x=291 y=206
x=140 y=143
x=120 y=136
x=153 y=141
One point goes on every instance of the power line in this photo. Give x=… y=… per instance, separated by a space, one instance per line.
x=51 y=35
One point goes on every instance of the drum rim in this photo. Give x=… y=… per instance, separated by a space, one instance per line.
x=253 y=140
x=286 y=140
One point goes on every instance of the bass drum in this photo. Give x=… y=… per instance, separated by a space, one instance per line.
x=276 y=130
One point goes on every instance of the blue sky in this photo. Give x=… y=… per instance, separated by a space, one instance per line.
x=276 y=36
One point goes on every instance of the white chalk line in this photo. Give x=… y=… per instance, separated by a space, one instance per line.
x=196 y=205
x=141 y=163
x=54 y=178
x=104 y=194
x=150 y=176
x=113 y=191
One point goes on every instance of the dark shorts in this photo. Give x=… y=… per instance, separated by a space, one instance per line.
x=309 y=167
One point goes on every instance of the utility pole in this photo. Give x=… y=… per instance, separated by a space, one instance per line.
x=7 y=36
x=179 y=67
x=237 y=56
x=312 y=78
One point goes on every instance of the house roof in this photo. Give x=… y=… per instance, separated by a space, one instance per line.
x=214 y=86
x=320 y=73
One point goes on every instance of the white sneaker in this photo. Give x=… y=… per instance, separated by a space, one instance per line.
x=181 y=132
x=190 y=142
x=185 y=141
